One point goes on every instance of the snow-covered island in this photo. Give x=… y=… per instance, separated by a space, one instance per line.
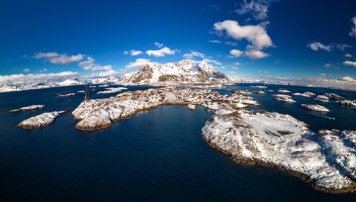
x=305 y=94
x=101 y=113
x=282 y=142
x=322 y=98
x=40 y=121
x=66 y=95
x=112 y=90
x=284 y=91
x=317 y=108
x=26 y=108
x=348 y=103
x=283 y=98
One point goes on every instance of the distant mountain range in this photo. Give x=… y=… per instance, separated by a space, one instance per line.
x=183 y=72
x=33 y=84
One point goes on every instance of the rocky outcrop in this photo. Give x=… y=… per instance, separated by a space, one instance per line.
x=31 y=107
x=322 y=98
x=112 y=90
x=317 y=108
x=283 y=98
x=305 y=94
x=40 y=121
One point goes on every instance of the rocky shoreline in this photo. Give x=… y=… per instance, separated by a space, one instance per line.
x=300 y=175
x=101 y=113
x=249 y=139
x=40 y=121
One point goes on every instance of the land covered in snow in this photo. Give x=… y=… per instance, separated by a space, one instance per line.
x=326 y=159
x=101 y=113
x=283 y=98
x=305 y=94
x=112 y=90
x=34 y=84
x=40 y=121
x=317 y=108
x=66 y=95
x=282 y=142
x=26 y=108
x=183 y=72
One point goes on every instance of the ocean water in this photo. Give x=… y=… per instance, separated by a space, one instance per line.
x=157 y=155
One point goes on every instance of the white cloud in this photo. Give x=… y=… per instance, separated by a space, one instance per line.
x=235 y=53
x=350 y=63
x=161 y=52
x=193 y=54
x=214 y=41
x=235 y=66
x=255 y=54
x=353 y=28
x=341 y=47
x=27 y=70
x=107 y=73
x=43 y=70
x=263 y=72
x=56 y=58
x=90 y=64
x=258 y=8
x=255 y=34
x=315 y=46
x=133 y=52
x=140 y=62
x=230 y=43
x=158 y=44
x=347 y=78
x=212 y=61
x=16 y=79
x=328 y=65
x=348 y=55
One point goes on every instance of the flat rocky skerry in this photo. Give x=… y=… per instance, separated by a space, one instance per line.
x=40 y=121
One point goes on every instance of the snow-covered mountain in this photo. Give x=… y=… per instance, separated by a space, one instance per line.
x=107 y=80
x=31 y=84
x=70 y=82
x=185 y=71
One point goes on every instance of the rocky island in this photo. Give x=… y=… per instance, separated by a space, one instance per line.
x=112 y=90
x=249 y=138
x=101 y=113
x=31 y=107
x=40 y=121
x=317 y=108
x=283 y=98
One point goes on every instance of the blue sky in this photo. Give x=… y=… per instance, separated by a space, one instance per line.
x=276 y=38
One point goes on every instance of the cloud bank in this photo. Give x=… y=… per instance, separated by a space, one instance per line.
x=56 y=58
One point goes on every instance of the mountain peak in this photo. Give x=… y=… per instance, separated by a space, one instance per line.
x=185 y=71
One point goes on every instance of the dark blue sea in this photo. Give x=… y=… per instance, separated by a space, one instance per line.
x=157 y=155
